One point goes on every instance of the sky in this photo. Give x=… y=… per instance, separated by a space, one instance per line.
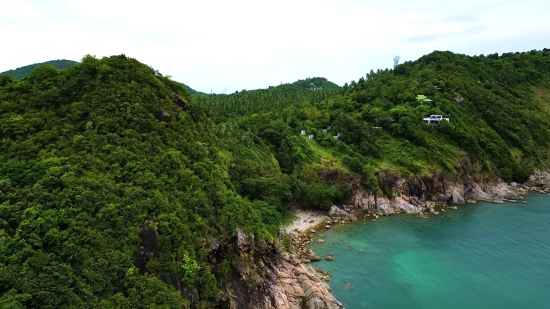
x=222 y=46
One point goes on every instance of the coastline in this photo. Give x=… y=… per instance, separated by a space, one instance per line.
x=304 y=221
x=365 y=205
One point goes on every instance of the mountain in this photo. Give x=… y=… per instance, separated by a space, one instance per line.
x=118 y=189
x=498 y=124
x=24 y=71
x=315 y=83
x=248 y=102
x=110 y=185
x=191 y=90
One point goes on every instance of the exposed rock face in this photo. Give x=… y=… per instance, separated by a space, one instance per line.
x=271 y=279
x=413 y=195
x=336 y=212
x=539 y=179
x=147 y=250
x=402 y=205
x=266 y=278
x=456 y=193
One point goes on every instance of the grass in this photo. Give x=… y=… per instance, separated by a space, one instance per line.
x=543 y=96
x=327 y=158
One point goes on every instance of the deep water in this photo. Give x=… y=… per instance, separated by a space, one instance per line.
x=479 y=256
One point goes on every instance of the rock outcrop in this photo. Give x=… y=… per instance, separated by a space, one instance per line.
x=266 y=278
x=336 y=212
x=539 y=180
x=413 y=195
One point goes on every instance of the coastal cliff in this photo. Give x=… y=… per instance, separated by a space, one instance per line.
x=266 y=278
x=422 y=197
x=418 y=193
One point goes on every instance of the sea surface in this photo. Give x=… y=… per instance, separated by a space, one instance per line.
x=478 y=256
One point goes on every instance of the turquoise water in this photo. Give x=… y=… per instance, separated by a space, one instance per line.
x=479 y=256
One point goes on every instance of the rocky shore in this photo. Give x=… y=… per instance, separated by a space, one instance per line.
x=267 y=278
x=424 y=201
x=277 y=280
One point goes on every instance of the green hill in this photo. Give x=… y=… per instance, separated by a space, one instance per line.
x=109 y=182
x=191 y=90
x=118 y=190
x=25 y=71
x=248 y=102
x=499 y=123
x=315 y=83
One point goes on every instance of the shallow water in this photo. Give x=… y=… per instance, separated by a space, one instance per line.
x=479 y=256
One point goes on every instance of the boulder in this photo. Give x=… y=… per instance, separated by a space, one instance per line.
x=336 y=212
x=457 y=197
x=314 y=258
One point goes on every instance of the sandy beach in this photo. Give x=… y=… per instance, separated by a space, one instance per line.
x=305 y=220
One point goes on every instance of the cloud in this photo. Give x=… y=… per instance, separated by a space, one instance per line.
x=432 y=37
x=17 y=10
x=217 y=45
x=460 y=19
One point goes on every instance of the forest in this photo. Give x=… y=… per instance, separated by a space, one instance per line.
x=25 y=71
x=115 y=179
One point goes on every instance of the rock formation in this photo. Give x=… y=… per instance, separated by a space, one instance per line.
x=266 y=278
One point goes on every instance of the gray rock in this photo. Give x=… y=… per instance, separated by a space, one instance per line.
x=336 y=212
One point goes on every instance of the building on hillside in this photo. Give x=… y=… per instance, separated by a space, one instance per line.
x=436 y=119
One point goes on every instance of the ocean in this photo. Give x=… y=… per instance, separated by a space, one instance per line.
x=478 y=256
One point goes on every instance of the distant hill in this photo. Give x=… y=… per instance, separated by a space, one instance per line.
x=315 y=83
x=23 y=72
x=191 y=90
x=248 y=102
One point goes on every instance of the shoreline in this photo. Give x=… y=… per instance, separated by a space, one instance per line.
x=365 y=203
x=304 y=228
x=366 y=206
x=305 y=220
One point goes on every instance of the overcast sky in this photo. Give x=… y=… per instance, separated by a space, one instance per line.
x=221 y=45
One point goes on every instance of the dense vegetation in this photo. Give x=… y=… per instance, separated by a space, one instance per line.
x=191 y=90
x=498 y=126
x=25 y=71
x=114 y=179
x=91 y=158
x=246 y=103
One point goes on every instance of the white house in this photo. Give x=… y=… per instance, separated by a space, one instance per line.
x=435 y=119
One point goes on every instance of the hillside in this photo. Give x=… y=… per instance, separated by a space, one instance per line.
x=274 y=98
x=315 y=83
x=118 y=189
x=191 y=90
x=110 y=185
x=25 y=71
x=498 y=126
